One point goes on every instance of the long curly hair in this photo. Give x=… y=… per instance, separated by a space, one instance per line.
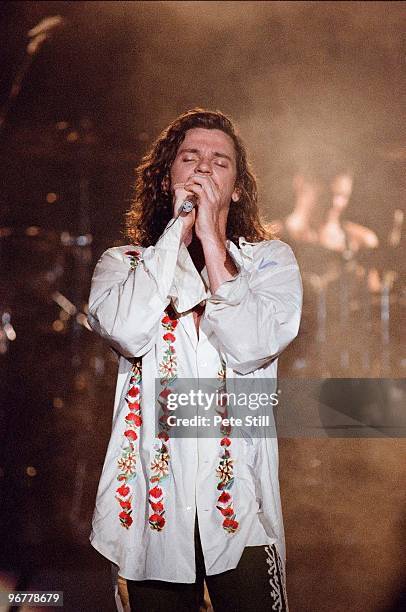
x=151 y=207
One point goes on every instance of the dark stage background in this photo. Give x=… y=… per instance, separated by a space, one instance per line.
x=317 y=89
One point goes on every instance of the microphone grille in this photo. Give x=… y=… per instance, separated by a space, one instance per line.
x=188 y=206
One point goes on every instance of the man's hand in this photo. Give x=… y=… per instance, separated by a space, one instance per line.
x=209 y=225
x=210 y=228
x=180 y=194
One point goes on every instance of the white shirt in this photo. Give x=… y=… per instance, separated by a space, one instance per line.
x=144 y=526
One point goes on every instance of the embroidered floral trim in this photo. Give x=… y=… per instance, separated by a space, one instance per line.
x=160 y=463
x=128 y=460
x=135 y=258
x=276 y=580
x=226 y=464
x=133 y=420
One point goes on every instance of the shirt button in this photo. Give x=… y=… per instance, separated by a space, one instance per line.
x=204 y=364
x=188 y=507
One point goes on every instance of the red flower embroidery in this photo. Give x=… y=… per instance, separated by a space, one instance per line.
x=135 y=258
x=157 y=521
x=128 y=459
x=125 y=504
x=156 y=492
x=135 y=418
x=134 y=406
x=230 y=525
x=224 y=497
x=131 y=434
x=226 y=463
x=160 y=462
x=227 y=511
x=125 y=519
x=123 y=490
x=157 y=507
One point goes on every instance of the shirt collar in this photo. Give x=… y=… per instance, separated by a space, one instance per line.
x=243 y=251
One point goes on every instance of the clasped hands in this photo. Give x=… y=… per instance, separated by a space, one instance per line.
x=205 y=218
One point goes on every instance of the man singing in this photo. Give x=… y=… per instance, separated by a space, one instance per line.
x=205 y=294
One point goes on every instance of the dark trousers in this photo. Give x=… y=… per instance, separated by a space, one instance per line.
x=257 y=583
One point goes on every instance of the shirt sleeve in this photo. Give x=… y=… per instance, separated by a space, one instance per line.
x=128 y=299
x=256 y=314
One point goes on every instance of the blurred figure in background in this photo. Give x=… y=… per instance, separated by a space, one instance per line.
x=334 y=255
x=319 y=213
x=338 y=233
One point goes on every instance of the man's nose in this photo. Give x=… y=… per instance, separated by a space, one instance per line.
x=203 y=166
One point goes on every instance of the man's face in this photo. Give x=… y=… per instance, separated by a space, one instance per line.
x=211 y=153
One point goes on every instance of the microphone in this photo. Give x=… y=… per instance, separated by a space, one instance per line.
x=186 y=207
x=189 y=204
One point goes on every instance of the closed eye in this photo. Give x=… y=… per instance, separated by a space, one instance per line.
x=222 y=163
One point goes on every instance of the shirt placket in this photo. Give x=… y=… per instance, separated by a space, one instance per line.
x=207 y=364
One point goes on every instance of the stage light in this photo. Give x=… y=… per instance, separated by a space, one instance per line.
x=51 y=197
x=84 y=240
x=80 y=382
x=10 y=332
x=31 y=471
x=72 y=136
x=33 y=230
x=8 y=329
x=62 y=125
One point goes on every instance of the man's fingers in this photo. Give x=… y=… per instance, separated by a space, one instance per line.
x=209 y=182
x=196 y=189
x=206 y=178
x=206 y=185
x=181 y=193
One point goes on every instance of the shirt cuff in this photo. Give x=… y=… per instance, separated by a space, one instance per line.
x=232 y=291
x=160 y=260
x=170 y=237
